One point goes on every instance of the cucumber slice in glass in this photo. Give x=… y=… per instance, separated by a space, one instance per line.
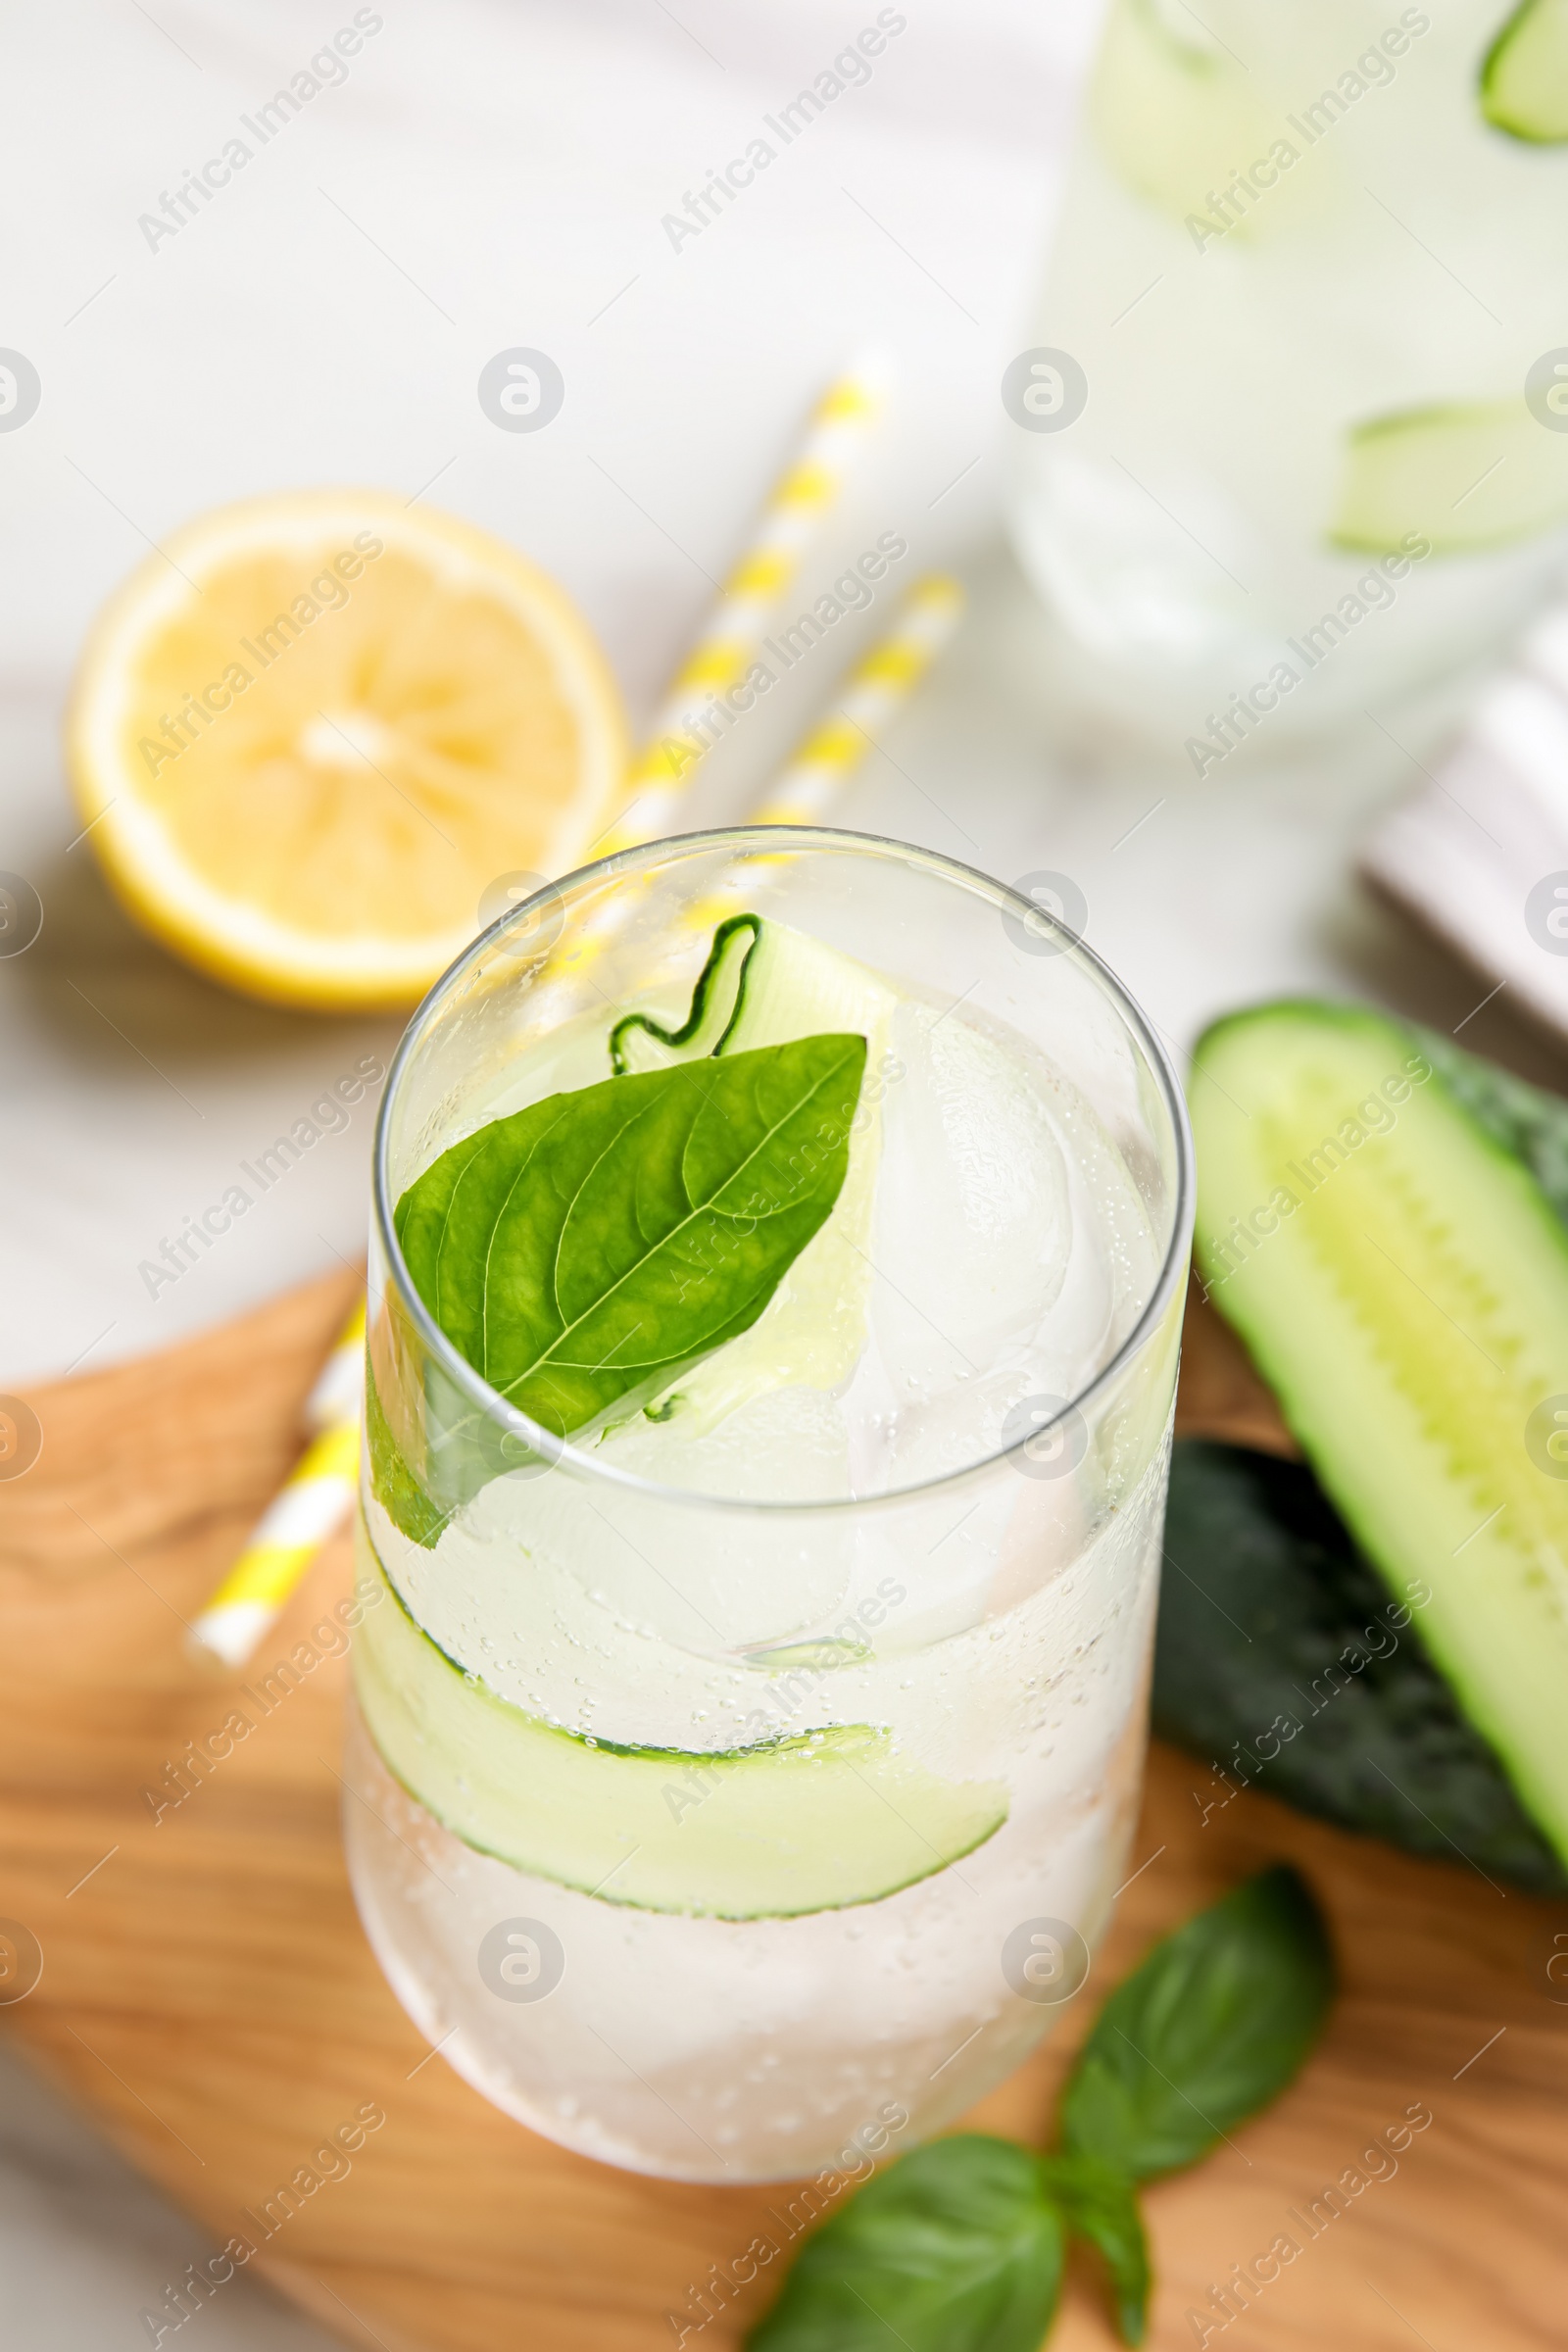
x=1523 y=81
x=814 y=1823
x=761 y=985
x=1403 y=1284
x=641 y=1041
x=1460 y=476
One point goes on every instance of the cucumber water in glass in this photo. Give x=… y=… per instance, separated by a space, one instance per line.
x=1291 y=438
x=776 y=1277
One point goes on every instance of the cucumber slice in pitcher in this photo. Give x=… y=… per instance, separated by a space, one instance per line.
x=814 y=1823
x=1175 y=114
x=1457 y=475
x=1524 y=75
x=1403 y=1284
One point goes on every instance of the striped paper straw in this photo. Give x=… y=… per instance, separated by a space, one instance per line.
x=309 y=1507
x=681 y=731
x=871 y=696
x=339 y=1390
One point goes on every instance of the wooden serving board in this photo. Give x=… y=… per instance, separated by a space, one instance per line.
x=207 y=1992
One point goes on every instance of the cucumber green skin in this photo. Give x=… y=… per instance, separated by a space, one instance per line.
x=1528 y=1124
x=1524 y=75
x=817 y=1822
x=1410 y=1313
x=710 y=1022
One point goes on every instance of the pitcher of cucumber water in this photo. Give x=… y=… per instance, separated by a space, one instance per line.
x=1291 y=433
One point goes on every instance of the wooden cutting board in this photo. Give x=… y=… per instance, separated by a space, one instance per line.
x=207 y=1993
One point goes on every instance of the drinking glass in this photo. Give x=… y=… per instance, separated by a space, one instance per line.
x=728 y=1965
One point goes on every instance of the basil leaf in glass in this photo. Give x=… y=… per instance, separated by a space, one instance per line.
x=589 y=1249
x=392 y=1482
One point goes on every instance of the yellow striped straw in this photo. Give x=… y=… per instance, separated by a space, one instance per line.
x=339 y=1389
x=690 y=720
x=311 y=1506
x=871 y=696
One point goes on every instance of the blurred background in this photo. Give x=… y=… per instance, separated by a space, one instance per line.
x=494 y=175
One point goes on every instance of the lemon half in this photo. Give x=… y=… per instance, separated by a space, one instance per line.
x=311 y=734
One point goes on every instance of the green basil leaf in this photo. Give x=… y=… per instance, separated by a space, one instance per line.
x=954 y=2248
x=393 y=1483
x=1211 y=2027
x=1100 y=2204
x=592 y=1247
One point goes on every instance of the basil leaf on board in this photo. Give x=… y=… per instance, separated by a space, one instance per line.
x=1101 y=2205
x=1284 y=1661
x=953 y=2248
x=590 y=1248
x=1210 y=2028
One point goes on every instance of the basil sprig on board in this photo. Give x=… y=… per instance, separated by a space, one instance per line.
x=959 y=2246
x=1213 y=2025
x=952 y=2249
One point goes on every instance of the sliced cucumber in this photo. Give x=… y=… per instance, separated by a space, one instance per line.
x=640 y=1042
x=1524 y=74
x=815 y=1823
x=1177 y=116
x=1403 y=1283
x=1461 y=476
x=761 y=985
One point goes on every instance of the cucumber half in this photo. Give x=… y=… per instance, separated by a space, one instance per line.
x=1460 y=476
x=1524 y=74
x=814 y=1823
x=1403 y=1284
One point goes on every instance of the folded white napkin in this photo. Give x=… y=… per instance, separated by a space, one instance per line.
x=1480 y=854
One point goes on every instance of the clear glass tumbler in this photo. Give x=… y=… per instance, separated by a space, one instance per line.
x=825 y=1777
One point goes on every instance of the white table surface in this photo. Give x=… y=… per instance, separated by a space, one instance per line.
x=490 y=173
